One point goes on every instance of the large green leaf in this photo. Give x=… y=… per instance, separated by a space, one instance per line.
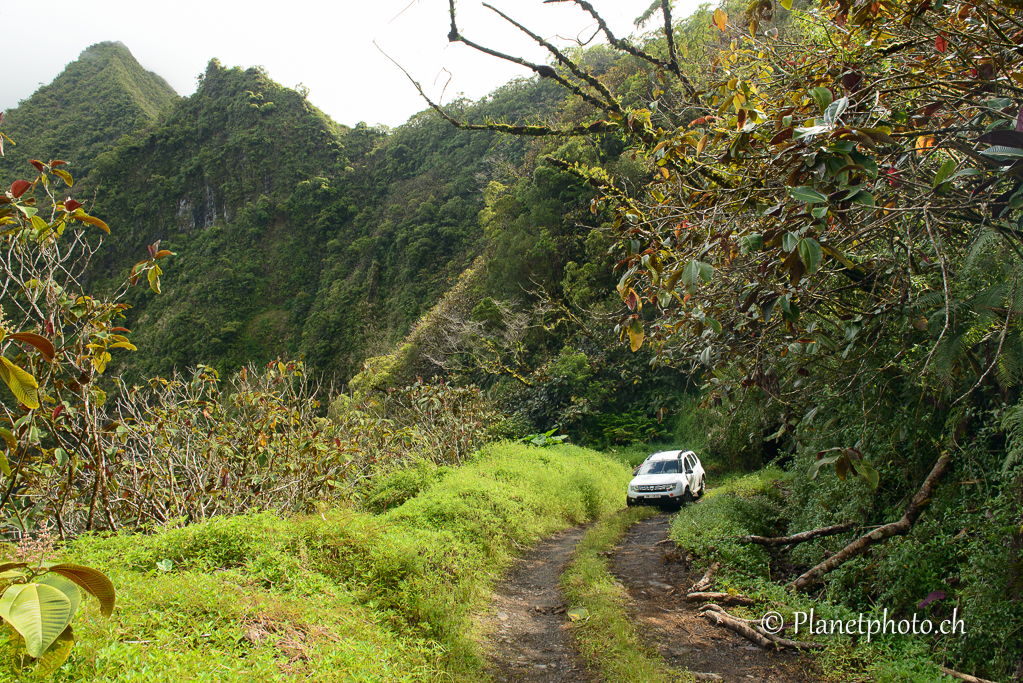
x=807 y=194
x=92 y=581
x=65 y=586
x=39 y=612
x=49 y=662
x=811 y=253
x=22 y=384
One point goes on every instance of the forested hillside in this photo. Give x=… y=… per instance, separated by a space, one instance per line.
x=768 y=233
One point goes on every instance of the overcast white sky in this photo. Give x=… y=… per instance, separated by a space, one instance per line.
x=325 y=45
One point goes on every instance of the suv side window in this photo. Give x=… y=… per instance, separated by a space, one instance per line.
x=689 y=465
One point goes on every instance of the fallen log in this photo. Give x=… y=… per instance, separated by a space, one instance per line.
x=705 y=583
x=755 y=623
x=791 y=644
x=899 y=528
x=725 y=598
x=963 y=677
x=800 y=537
x=719 y=619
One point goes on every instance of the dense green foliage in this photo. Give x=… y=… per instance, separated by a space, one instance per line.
x=339 y=596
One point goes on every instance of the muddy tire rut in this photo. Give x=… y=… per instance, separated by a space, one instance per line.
x=656 y=579
x=527 y=629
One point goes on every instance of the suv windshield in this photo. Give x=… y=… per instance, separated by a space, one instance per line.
x=660 y=467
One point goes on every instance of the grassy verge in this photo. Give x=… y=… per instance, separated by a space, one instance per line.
x=752 y=504
x=605 y=636
x=346 y=595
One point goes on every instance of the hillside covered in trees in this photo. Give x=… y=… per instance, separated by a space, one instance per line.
x=774 y=234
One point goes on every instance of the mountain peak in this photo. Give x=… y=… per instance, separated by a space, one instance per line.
x=98 y=98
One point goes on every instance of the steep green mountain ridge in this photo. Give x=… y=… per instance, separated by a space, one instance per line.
x=293 y=234
x=101 y=96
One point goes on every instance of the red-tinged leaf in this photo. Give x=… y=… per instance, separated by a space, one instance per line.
x=1019 y=121
x=1003 y=138
x=120 y=329
x=632 y=300
x=71 y=205
x=40 y=166
x=940 y=44
x=162 y=253
x=20 y=187
x=58 y=410
x=91 y=220
x=699 y=121
x=933 y=596
x=152 y=252
x=54 y=163
x=40 y=342
x=784 y=135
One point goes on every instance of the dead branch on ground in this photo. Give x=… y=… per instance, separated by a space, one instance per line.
x=801 y=537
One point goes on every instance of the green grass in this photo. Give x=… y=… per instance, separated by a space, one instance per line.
x=605 y=636
x=742 y=505
x=346 y=595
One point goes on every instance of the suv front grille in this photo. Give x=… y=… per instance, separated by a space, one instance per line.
x=655 y=487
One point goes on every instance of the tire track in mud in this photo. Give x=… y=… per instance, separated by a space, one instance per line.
x=656 y=580
x=528 y=638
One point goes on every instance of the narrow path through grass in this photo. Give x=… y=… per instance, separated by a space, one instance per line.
x=604 y=634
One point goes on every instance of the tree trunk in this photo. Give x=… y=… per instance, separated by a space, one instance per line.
x=899 y=528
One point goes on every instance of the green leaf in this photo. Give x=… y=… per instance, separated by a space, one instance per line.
x=64 y=175
x=23 y=385
x=68 y=588
x=807 y=194
x=819 y=211
x=998 y=151
x=789 y=308
x=787 y=4
x=636 y=335
x=39 y=612
x=810 y=253
x=822 y=96
x=835 y=110
x=789 y=241
x=55 y=655
x=966 y=172
x=154 y=280
x=9 y=437
x=815 y=468
x=5 y=465
x=767 y=307
x=92 y=581
x=867 y=471
x=578 y=614
x=944 y=172
x=863 y=197
x=751 y=243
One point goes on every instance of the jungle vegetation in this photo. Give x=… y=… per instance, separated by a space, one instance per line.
x=781 y=233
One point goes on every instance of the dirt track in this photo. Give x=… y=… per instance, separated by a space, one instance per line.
x=526 y=625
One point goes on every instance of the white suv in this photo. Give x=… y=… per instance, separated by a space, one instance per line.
x=667 y=478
